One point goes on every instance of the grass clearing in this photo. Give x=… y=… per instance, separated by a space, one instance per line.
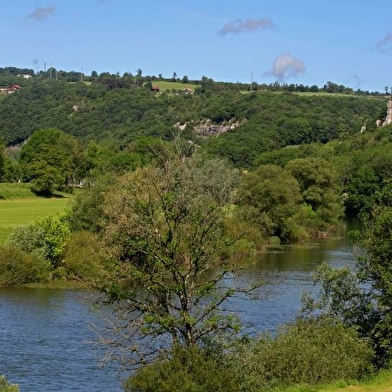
x=17 y=212
x=164 y=85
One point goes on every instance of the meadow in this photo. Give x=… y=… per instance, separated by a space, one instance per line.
x=164 y=85
x=19 y=206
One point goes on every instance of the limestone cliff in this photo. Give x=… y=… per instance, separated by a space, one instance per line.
x=388 y=119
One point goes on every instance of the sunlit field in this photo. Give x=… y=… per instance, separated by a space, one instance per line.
x=19 y=206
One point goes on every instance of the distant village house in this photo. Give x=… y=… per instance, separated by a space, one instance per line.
x=10 y=89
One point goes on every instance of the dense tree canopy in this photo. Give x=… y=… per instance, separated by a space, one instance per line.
x=48 y=160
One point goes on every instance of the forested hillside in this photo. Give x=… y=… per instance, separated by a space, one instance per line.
x=118 y=110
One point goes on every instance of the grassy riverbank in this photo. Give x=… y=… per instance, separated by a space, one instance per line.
x=382 y=382
x=20 y=206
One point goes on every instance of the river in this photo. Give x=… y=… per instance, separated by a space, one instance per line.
x=45 y=334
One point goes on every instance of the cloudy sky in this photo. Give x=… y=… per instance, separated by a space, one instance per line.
x=291 y=41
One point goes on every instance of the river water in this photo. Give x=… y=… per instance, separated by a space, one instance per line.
x=45 y=334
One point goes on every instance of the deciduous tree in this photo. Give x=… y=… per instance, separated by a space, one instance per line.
x=47 y=160
x=167 y=234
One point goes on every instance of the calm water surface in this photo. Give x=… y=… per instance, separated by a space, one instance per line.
x=45 y=335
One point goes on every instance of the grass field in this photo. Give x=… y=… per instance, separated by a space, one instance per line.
x=305 y=93
x=19 y=212
x=19 y=206
x=164 y=85
x=382 y=382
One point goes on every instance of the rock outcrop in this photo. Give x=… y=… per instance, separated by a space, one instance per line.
x=388 y=119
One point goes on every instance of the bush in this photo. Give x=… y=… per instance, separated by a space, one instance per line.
x=18 y=267
x=5 y=386
x=188 y=370
x=314 y=351
x=30 y=239
x=45 y=238
x=84 y=258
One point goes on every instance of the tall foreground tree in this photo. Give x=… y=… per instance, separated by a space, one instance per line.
x=168 y=233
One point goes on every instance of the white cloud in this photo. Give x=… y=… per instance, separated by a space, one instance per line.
x=41 y=13
x=249 y=25
x=286 y=66
x=384 y=42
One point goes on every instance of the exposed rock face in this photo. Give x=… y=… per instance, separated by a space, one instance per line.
x=388 y=119
x=207 y=129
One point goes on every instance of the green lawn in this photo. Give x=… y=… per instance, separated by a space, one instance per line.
x=17 y=212
x=163 y=85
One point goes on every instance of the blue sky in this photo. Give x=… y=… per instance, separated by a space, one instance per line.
x=347 y=42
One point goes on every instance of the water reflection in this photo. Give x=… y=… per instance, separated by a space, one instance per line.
x=287 y=273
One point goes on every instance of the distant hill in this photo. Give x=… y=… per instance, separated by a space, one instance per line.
x=241 y=125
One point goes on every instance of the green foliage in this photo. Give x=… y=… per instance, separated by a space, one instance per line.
x=11 y=172
x=2 y=161
x=107 y=109
x=166 y=232
x=10 y=191
x=30 y=239
x=322 y=207
x=45 y=238
x=187 y=370
x=86 y=212
x=18 y=267
x=278 y=120
x=47 y=160
x=85 y=260
x=270 y=196
x=5 y=386
x=56 y=234
x=363 y=297
x=309 y=352
x=294 y=202
x=315 y=351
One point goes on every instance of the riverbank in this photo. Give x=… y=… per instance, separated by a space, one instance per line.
x=381 y=382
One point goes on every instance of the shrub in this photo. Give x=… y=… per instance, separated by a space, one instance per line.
x=45 y=238
x=30 y=239
x=5 y=386
x=314 y=351
x=18 y=267
x=84 y=258
x=188 y=370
